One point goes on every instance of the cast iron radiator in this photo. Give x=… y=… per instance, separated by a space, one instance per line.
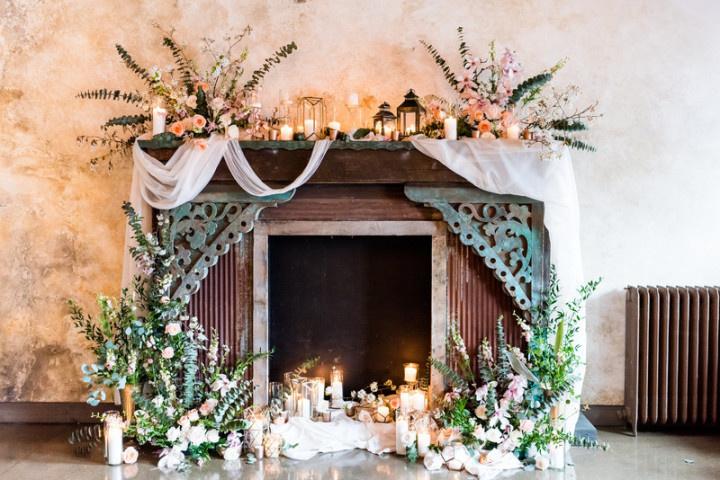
x=671 y=365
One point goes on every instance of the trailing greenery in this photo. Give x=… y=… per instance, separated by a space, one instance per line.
x=132 y=65
x=134 y=98
x=184 y=64
x=529 y=88
x=126 y=121
x=575 y=143
x=270 y=61
x=568 y=125
x=442 y=63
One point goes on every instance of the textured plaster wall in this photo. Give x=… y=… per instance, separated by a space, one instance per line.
x=649 y=197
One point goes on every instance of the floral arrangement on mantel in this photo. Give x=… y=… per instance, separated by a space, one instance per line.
x=195 y=102
x=494 y=101
x=509 y=404
x=188 y=408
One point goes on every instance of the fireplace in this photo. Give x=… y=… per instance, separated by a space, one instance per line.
x=362 y=302
x=483 y=255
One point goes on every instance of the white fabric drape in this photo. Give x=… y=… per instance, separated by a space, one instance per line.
x=512 y=167
x=168 y=185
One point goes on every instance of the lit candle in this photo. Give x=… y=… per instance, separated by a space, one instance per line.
x=114 y=426
x=286 y=132
x=401 y=428
x=411 y=371
x=395 y=135
x=334 y=127
x=336 y=387
x=159 y=115
x=383 y=411
x=387 y=131
x=273 y=134
x=513 y=132
x=405 y=401
x=309 y=127
x=450 y=124
x=417 y=400
x=353 y=100
x=323 y=406
x=304 y=408
x=423 y=442
x=410 y=130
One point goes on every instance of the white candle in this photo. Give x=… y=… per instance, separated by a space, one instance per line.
x=401 y=428
x=273 y=135
x=411 y=371
x=450 y=124
x=323 y=406
x=557 y=456
x=417 y=400
x=114 y=437
x=159 y=115
x=387 y=131
x=353 y=100
x=513 y=132
x=410 y=130
x=423 y=442
x=309 y=127
x=337 y=394
x=334 y=125
x=304 y=407
x=286 y=132
x=405 y=401
x=383 y=411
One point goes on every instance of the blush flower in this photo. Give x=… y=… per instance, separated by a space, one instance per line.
x=168 y=353
x=485 y=126
x=177 y=129
x=172 y=328
x=200 y=143
x=207 y=407
x=130 y=455
x=191 y=101
x=198 y=122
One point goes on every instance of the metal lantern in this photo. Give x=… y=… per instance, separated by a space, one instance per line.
x=410 y=114
x=384 y=120
x=311 y=116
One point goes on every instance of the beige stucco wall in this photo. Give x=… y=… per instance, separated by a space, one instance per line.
x=648 y=197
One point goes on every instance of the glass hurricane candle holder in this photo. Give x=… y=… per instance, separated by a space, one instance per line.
x=410 y=115
x=384 y=120
x=411 y=372
x=311 y=115
x=113 y=427
x=336 y=387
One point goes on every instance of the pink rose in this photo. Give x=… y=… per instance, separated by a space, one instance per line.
x=168 y=353
x=130 y=455
x=172 y=328
x=208 y=406
x=177 y=129
x=198 y=122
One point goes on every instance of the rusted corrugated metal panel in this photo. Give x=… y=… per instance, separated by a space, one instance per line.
x=216 y=303
x=477 y=299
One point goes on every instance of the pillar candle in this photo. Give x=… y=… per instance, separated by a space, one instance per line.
x=411 y=371
x=309 y=124
x=513 y=132
x=417 y=400
x=401 y=428
x=286 y=132
x=159 y=115
x=273 y=134
x=450 y=124
x=334 y=125
x=423 y=442
x=353 y=100
x=336 y=388
x=114 y=438
x=405 y=401
x=304 y=408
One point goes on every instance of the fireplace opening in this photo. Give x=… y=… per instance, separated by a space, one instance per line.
x=362 y=303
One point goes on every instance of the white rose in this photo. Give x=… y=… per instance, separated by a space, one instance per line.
x=213 y=436
x=130 y=455
x=231 y=453
x=233 y=132
x=173 y=434
x=168 y=353
x=196 y=435
x=191 y=102
x=193 y=415
x=171 y=459
x=493 y=435
x=184 y=422
x=172 y=328
x=493 y=111
x=225 y=119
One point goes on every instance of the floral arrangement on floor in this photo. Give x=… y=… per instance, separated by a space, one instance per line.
x=505 y=404
x=188 y=408
x=198 y=102
x=495 y=100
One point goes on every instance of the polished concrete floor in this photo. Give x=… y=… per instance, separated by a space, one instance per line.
x=42 y=453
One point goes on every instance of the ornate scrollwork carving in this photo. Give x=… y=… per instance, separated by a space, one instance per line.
x=501 y=234
x=202 y=232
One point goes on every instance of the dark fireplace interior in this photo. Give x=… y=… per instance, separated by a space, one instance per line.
x=362 y=303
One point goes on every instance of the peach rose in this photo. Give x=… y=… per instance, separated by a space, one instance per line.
x=201 y=85
x=485 y=126
x=198 y=122
x=200 y=143
x=177 y=128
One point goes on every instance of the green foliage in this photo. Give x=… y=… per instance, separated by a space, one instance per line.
x=190 y=370
x=270 y=61
x=229 y=411
x=567 y=125
x=529 y=89
x=463 y=47
x=126 y=121
x=584 y=442
x=504 y=370
x=184 y=64
x=133 y=98
x=442 y=63
x=85 y=438
x=574 y=143
x=412 y=452
x=453 y=378
x=132 y=65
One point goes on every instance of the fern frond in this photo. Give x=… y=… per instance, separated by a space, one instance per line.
x=530 y=87
x=126 y=121
x=575 y=143
x=567 y=126
x=452 y=377
x=185 y=65
x=132 y=65
x=270 y=61
x=463 y=48
x=133 y=98
x=442 y=63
